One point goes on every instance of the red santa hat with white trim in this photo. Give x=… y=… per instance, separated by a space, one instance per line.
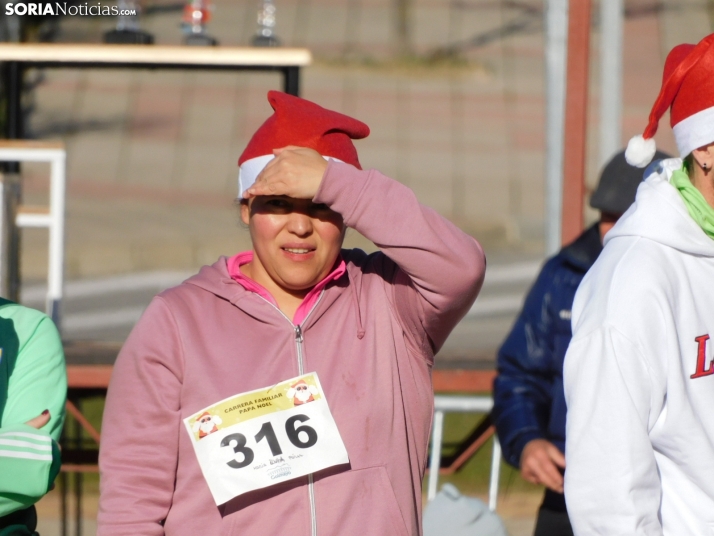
x=297 y=121
x=688 y=88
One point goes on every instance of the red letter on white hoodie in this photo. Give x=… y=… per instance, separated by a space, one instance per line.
x=701 y=358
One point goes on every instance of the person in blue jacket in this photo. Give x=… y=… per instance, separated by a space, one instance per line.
x=529 y=402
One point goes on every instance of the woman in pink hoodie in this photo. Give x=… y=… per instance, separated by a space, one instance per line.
x=367 y=325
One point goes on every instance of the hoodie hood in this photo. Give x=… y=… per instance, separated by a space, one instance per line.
x=659 y=214
x=216 y=279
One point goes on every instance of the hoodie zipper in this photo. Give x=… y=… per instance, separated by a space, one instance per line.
x=310 y=484
x=298 y=343
x=301 y=370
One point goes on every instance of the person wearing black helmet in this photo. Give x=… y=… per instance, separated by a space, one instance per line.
x=529 y=403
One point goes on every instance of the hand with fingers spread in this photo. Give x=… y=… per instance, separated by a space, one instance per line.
x=541 y=463
x=294 y=172
x=39 y=421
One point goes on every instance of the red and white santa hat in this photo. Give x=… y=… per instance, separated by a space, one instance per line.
x=303 y=123
x=688 y=88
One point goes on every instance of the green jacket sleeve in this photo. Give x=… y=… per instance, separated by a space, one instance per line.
x=29 y=463
x=33 y=376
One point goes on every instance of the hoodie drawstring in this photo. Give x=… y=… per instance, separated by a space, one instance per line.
x=355 y=298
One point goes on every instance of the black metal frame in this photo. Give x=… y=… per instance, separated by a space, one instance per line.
x=12 y=80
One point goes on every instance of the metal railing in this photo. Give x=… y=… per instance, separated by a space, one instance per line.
x=51 y=217
x=461 y=404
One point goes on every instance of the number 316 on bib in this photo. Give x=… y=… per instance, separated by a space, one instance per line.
x=238 y=441
x=257 y=439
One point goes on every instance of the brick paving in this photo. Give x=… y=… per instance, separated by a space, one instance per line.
x=466 y=135
x=152 y=155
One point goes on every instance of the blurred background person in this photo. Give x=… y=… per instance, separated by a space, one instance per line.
x=529 y=402
x=33 y=391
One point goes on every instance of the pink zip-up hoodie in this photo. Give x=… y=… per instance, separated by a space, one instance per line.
x=371 y=337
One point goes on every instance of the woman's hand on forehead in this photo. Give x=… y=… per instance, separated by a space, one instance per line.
x=294 y=172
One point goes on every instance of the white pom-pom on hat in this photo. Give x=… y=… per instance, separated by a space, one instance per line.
x=640 y=151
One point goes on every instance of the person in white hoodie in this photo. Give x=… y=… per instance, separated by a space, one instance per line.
x=639 y=372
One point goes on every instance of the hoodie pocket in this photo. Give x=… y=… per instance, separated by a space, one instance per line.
x=359 y=502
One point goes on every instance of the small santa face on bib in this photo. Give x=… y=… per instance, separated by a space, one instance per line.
x=302 y=393
x=206 y=424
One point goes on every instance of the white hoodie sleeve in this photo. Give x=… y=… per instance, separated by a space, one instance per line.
x=612 y=485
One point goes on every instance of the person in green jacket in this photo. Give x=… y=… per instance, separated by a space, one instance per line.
x=33 y=391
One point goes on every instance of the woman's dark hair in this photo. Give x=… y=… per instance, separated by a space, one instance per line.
x=238 y=202
x=689 y=164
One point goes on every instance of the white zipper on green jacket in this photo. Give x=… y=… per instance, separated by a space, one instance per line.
x=298 y=343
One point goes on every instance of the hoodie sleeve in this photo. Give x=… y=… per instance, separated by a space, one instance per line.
x=440 y=268
x=612 y=484
x=140 y=428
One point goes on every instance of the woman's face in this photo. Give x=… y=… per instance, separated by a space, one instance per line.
x=296 y=241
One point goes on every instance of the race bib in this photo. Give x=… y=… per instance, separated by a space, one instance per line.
x=256 y=439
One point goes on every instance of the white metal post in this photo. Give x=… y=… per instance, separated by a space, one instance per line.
x=435 y=462
x=556 y=50
x=55 y=278
x=495 y=474
x=611 y=37
x=462 y=404
x=52 y=218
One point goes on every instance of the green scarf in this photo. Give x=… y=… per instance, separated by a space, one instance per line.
x=697 y=206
